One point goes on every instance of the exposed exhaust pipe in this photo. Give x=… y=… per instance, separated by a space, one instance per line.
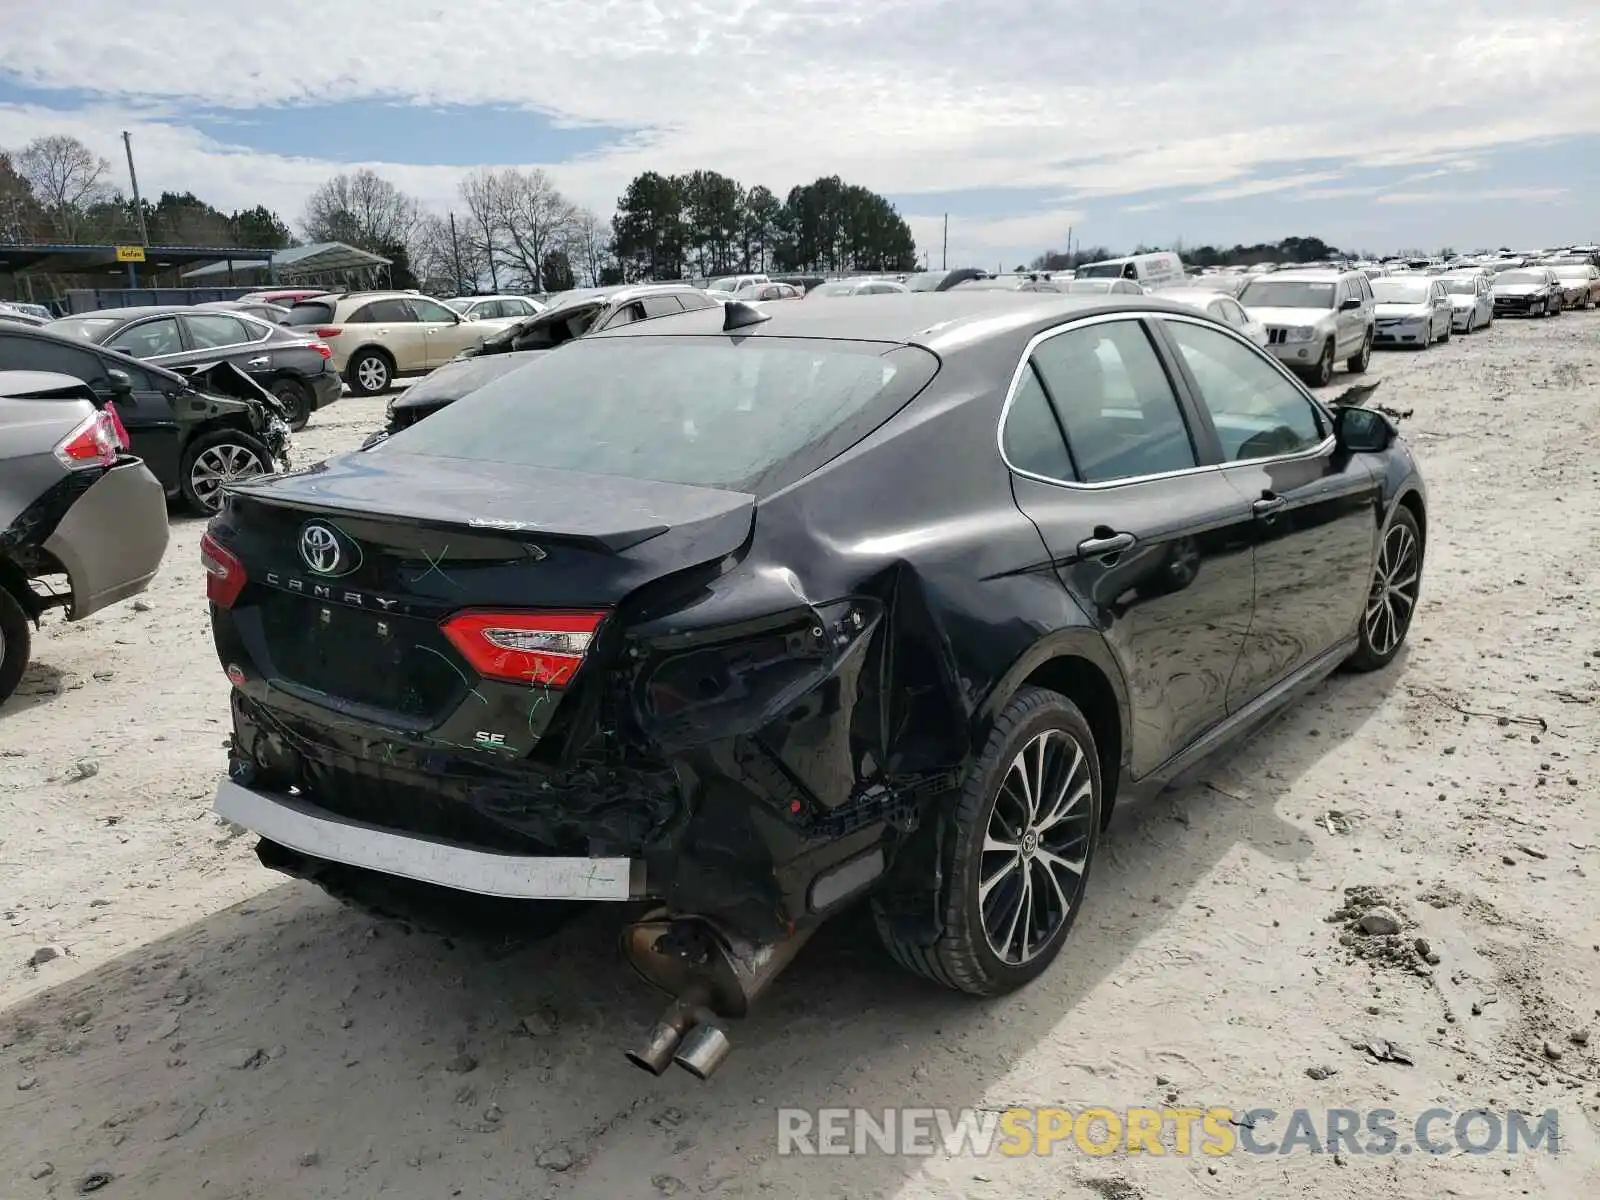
x=709 y=973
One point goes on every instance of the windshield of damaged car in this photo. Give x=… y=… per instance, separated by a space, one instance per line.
x=1520 y=277
x=1393 y=290
x=1461 y=287
x=926 y=281
x=1284 y=293
x=690 y=410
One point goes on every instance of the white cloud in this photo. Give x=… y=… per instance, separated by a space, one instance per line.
x=1531 y=195
x=904 y=96
x=1262 y=187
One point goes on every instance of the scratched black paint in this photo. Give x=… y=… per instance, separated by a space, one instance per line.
x=782 y=681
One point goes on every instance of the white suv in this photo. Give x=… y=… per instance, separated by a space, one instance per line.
x=1314 y=319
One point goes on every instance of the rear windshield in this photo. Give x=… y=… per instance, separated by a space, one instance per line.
x=750 y=417
x=309 y=312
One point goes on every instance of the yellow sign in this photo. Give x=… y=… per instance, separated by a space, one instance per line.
x=130 y=253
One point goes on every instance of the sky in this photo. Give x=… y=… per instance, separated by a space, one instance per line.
x=1374 y=125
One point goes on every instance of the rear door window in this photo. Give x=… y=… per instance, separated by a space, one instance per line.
x=750 y=417
x=1033 y=440
x=46 y=354
x=1118 y=407
x=661 y=306
x=213 y=331
x=384 y=312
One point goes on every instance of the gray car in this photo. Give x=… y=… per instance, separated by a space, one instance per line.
x=1315 y=319
x=74 y=505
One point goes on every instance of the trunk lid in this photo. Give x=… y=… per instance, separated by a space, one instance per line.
x=353 y=563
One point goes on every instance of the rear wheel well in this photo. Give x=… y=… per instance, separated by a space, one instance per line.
x=1413 y=501
x=374 y=348
x=1085 y=685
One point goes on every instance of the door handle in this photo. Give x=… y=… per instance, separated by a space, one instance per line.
x=261 y=360
x=1104 y=547
x=1267 y=505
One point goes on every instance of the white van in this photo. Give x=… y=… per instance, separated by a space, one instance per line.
x=1162 y=269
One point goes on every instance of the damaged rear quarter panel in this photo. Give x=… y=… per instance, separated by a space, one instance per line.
x=848 y=666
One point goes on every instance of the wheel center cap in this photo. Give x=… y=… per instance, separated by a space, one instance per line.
x=1030 y=842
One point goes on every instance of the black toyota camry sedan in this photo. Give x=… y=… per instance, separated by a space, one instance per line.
x=298 y=370
x=758 y=614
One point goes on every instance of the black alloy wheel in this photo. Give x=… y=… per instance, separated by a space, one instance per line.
x=1023 y=834
x=1392 y=598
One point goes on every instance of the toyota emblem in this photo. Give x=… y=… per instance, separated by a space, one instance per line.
x=326 y=551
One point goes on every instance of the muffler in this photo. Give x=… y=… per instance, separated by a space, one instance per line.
x=710 y=973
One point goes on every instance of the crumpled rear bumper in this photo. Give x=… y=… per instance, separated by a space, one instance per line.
x=111 y=541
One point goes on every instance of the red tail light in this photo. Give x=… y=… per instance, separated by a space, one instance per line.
x=524 y=647
x=94 y=443
x=323 y=349
x=326 y=331
x=225 y=576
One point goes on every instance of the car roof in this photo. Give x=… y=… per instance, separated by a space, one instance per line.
x=26 y=384
x=133 y=312
x=115 y=356
x=937 y=321
x=1205 y=295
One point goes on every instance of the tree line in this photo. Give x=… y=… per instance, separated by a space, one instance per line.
x=509 y=229
x=514 y=229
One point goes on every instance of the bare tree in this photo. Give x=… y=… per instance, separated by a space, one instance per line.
x=66 y=176
x=590 y=245
x=534 y=218
x=480 y=193
x=362 y=209
x=442 y=262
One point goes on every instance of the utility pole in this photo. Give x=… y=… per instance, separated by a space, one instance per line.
x=133 y=178
x=1069 y=245
x=944 y=257
x=455 y=251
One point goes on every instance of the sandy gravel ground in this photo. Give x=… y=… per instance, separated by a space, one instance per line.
x=210 y=1030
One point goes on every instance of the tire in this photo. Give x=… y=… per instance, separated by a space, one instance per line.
x=221 y=456
x=16 y=644
x=1386 y=619
x=1321 y=375
x=991 y=803
x=296 y=400
x=1359 y=364
x=370 y=372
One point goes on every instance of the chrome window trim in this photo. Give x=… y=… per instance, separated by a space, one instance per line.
x=1141 y=314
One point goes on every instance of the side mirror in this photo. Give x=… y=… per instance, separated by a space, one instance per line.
x=1363 y=430
x=121 y=382
x=1350 y=304
x=471 y=316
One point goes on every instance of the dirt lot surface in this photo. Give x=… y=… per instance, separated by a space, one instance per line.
x=207 y=1029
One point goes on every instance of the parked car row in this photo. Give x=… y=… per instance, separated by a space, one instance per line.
x=197 y=425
